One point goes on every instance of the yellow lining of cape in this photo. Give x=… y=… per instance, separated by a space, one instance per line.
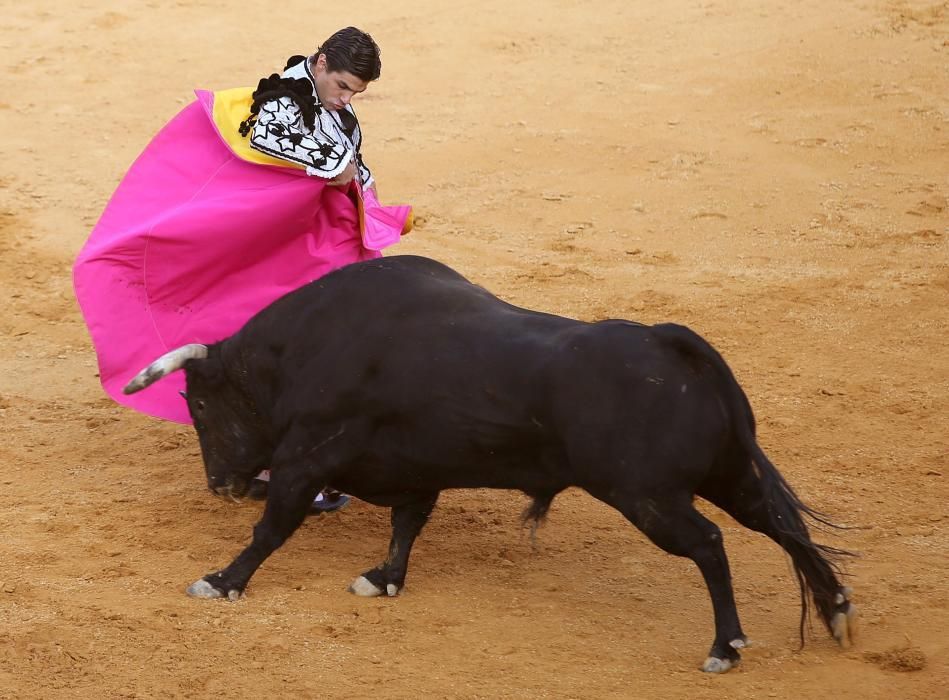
x=231 y=107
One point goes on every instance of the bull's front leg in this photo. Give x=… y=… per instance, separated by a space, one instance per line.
x=388 y=578
x=289 y=495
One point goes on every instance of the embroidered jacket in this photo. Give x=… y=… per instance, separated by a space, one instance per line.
x=288 y=122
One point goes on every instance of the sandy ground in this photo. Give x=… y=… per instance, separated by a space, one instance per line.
x=772 y=173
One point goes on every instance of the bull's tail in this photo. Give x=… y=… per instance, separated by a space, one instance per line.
x=784 y=517
x=816 y=566
x=536 y=511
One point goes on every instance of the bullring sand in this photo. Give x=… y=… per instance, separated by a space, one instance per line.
x=773 y=174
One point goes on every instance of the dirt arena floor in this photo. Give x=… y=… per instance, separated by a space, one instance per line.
x=772 y=173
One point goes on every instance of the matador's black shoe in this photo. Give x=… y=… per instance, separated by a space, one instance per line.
x=326 y=501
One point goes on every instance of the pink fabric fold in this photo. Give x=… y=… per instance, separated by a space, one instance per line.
x=382 y=226
x=193 y=243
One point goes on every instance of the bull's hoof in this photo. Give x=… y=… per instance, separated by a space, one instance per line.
x=203 y=589
x=365 y=588
x=716 y=665
x=741 y=642
x=373 y=583
x=843 y=624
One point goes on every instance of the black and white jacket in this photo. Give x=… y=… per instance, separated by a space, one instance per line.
x=292 y=125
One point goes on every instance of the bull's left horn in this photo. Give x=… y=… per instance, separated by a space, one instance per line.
x=166 y=364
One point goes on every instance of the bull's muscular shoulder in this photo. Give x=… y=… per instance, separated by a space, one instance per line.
x=372 y=292
x=404 y=271
x=403 y=264
x=382 y=279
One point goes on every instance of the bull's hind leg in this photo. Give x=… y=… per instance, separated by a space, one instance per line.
x=675 y=526
x=408 y=519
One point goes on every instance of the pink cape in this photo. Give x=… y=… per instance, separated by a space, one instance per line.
x=195 y=241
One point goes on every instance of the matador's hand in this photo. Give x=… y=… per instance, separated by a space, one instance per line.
x=345 y=177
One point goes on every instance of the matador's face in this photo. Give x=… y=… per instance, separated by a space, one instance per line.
x=335 y=88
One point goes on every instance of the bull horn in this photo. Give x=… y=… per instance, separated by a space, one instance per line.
x=166 y=364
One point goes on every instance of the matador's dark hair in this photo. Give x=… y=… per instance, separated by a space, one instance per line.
x=353 y=51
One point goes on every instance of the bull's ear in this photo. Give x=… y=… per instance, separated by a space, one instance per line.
x=166 y=364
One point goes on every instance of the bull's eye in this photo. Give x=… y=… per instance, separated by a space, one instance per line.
x=199 y=405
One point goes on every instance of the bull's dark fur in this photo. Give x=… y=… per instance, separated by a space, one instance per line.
x=397 y=378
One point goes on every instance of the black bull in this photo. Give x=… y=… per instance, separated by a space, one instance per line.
x=395 y=379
